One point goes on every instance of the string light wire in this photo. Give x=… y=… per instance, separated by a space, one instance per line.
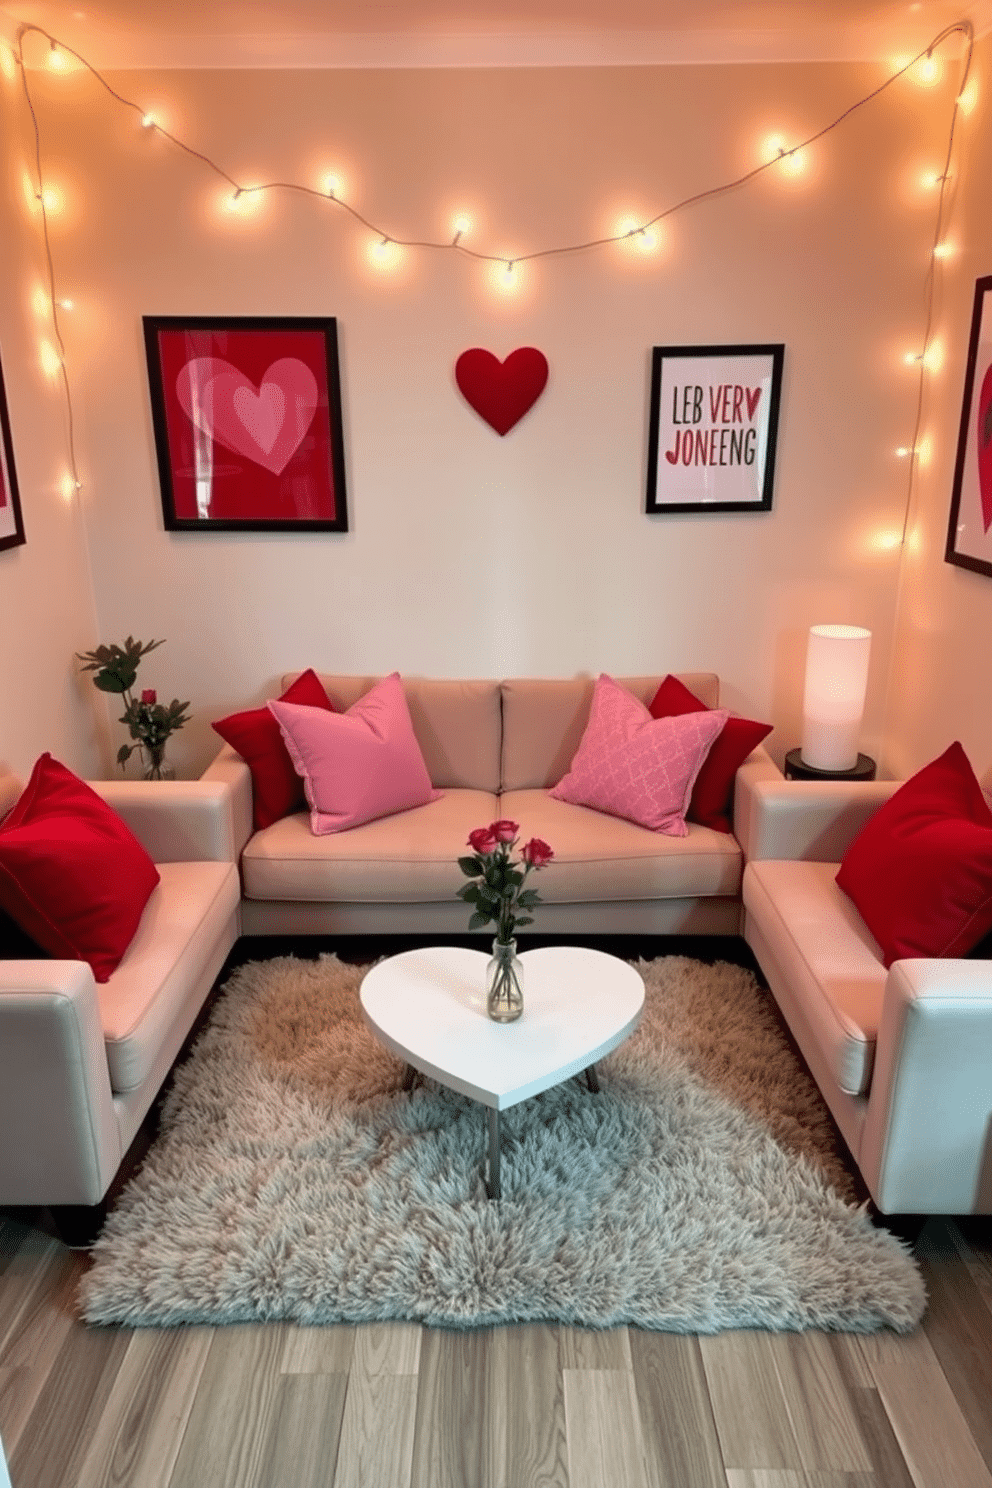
x=456 y=245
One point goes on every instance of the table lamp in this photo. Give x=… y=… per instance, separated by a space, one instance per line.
x=834 y=697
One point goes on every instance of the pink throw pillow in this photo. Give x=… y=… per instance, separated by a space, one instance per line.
x=358 y=765
x=276 y=789
x=632 y=765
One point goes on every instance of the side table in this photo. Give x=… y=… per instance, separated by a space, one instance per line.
x=797 y=769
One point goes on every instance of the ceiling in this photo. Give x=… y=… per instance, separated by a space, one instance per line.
x=391 y=33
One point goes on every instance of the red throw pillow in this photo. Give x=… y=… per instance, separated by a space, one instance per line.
x=276 y=788
x=72 y=875
x=920 y=872
x=712 y=803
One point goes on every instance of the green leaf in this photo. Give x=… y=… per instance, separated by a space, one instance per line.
x=471 y=867
x=469 y=892
x=524 y=920
x=114 y=681
x=528 y=898
x=478 y=920
x=124 y=754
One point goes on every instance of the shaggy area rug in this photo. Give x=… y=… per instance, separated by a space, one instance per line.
x=293 y=1178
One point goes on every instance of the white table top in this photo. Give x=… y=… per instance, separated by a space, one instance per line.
x=429 y=1007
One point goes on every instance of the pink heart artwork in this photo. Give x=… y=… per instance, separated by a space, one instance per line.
x=501 y=392
x=266 y=424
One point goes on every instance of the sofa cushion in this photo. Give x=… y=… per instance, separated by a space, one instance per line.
x=544 y=720
x=149 y=992
x=712 y=803
x=276 y=788
x=72 y=874
x=605 y=858
x=635 y=766
x=358 y=765
x=457 y=725
x=405 y=858
x=920 y=870
x=831 y=960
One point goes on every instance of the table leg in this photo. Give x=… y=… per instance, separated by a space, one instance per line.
x=495 y=1192
x=592 y=1079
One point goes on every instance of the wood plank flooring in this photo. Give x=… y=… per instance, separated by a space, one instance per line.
x=536 y=1406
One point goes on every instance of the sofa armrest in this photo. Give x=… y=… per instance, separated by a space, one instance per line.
x=61 y=1141
x=229 y=769
x=758 y=766
x=816 y=820
x=176 y=821
x=929 y=1122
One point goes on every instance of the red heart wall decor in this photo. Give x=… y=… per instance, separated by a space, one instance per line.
x=501 y=392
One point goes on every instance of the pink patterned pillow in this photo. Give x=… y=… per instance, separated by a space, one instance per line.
x=632 y=765
x=358 y=765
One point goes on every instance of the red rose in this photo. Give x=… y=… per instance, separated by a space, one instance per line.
x=536 y=853
x=148 y=696
x=482 y=840
x=504 y=831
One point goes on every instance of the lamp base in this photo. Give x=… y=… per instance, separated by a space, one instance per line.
x=796 y=768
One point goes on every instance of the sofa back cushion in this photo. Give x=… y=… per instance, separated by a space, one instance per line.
x=544 y=720
x=456 y=724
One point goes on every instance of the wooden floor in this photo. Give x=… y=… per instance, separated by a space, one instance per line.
x=392 y=1405
x=400 y=1406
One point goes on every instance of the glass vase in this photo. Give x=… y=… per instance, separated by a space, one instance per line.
x=504 y=982
x=157 y=767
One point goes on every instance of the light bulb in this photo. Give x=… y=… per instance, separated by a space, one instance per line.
x=57 y=59
x=50 y=198
x=460 y=226
x=926 y=71
x=332 y=185
x=51 y=362
x=65 y=304
x=148 y=121
x=943 y=250
x=968 y=96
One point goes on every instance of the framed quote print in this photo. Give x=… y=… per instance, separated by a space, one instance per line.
x=713 y=427
x=11 y=523
x=969 y=538
x=247 y=419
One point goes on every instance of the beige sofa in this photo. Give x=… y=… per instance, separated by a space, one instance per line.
x=81 y=1061
x=493 y=747
x=903 y=1057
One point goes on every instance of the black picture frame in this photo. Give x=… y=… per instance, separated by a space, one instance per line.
x=969 y=525
x=11 y=519
x=246 y=414
x=713 y=430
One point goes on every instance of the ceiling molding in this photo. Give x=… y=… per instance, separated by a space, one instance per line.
x=142 y=49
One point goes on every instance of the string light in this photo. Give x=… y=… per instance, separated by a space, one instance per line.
x=943 y=250
x=148 y=121
x=57 y=59
x=460 y=227
x=51 y=362
x=332 y=186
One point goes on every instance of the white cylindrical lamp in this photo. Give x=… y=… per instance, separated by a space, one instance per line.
x=834 y=696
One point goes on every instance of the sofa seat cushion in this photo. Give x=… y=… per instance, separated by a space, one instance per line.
x=599 y=857
x=150 y=990
x=407 y=858
x=830 y=957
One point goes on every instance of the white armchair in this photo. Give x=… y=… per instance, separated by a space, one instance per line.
x=902 y=1057
x=81 y=1061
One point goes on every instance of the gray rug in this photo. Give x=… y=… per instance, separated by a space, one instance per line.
x=702 y=1189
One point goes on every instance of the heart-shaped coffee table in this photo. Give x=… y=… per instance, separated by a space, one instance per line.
x=429 y=1007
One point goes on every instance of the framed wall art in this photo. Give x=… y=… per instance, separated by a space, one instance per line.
x=247 y=418
x=11 y=523
x=713 y=427
x=969 y=540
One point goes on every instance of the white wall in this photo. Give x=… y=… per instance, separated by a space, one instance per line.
x=471 y=554
x=46 y=598
x=942 y=668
